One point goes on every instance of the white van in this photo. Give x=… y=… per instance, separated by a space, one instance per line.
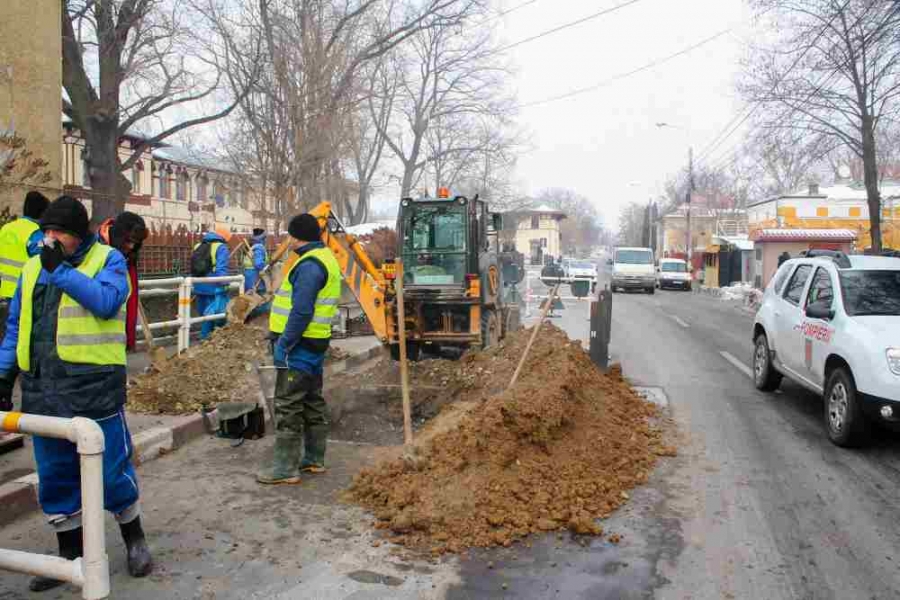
x=632 y=268
x=673 y=273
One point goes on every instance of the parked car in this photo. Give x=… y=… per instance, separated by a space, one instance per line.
x=832 y=324
x=673 y=273
x=582 y=276
x=632 y=268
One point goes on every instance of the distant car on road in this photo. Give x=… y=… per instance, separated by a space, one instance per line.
x=831 y=323
x=673 y=273
x=632 y=268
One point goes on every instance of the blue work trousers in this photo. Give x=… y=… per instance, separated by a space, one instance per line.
x=208 y=304
x=59 y=471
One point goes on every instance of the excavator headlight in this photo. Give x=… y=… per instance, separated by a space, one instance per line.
x=462 y=200
x=404 y=203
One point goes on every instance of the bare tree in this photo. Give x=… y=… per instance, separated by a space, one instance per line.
x=450 y=98
x=833 y=71
x=580 y=230
x=129 y=64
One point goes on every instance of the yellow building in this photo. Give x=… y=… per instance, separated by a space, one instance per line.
x=538 y=234
x=840 y=206
x=30 y=83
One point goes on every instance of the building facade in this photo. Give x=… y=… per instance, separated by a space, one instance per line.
x=30 y=81
x=537 y=234
x=840 y=206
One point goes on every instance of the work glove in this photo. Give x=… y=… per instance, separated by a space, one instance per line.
x=52 y=256
x=6 y=391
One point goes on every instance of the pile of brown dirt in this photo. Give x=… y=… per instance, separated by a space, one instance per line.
x=559 y=449
x=219 y=369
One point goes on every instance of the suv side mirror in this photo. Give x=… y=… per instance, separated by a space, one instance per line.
x=820 y=310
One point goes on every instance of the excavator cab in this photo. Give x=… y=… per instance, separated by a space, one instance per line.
x=452 y=279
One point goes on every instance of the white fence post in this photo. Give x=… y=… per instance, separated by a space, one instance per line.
x=185 y=331
x=91 y=572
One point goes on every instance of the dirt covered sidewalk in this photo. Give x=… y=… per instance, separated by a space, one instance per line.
x=558 y=450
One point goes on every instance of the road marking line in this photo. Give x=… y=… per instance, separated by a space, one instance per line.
x=680 y=321
x=737 y=363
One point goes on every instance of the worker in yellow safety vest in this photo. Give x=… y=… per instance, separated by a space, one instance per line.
x=19 y=241
x=65 y=339
x=301 y=316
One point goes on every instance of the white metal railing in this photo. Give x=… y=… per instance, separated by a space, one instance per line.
x=91 y=571
x=183 y=287
x=531 y=296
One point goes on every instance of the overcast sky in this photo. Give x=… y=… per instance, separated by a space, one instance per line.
x=605 y=144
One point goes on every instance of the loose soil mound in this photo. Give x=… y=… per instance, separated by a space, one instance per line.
x=559 y=449
x=219 y=369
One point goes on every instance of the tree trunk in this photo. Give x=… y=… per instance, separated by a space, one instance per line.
x=109 y=188
x=870 y=175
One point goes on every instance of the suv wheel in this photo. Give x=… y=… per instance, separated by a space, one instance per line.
x=844 y=418
x=765 y=377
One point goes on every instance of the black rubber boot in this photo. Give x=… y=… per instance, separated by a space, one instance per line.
x=140 y=563
x=71 y=546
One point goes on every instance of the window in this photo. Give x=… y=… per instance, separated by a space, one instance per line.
x=181 y=186
x=543 y=242
x=821 y=290
x=781 y=277
x=795 y=287
x=871 y=292
x=535 y=221
x=201 y=189
x=164 y=185
x=759 y=254
x=673 y=267
x=135 y=179
x=434 y=244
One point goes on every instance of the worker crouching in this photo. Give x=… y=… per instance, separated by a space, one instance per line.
x=301 y=316
x=66 y=337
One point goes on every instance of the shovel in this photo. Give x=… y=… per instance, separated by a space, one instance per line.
x=240 y=308
x=157 y=354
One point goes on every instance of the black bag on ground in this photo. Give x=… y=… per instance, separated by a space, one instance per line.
x=201 y=260
x=241 y=420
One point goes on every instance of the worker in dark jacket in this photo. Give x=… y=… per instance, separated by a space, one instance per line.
x=301 y=316
x=126 y=233
x=65 y=335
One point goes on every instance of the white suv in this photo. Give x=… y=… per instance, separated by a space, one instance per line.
x=832 y=324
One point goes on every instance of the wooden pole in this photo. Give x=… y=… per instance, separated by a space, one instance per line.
x=534 y=332
x=404 y=374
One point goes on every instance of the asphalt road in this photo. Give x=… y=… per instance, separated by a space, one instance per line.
x=768 y=507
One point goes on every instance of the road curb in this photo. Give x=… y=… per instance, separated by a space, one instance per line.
x=19 y=497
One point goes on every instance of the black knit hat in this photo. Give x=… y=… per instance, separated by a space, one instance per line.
x=66 y=214
x=128 y=227
x=35 y=204
x=258 y=232
x=305 y=227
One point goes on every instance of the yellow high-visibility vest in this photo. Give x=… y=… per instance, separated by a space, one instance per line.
x=213 y=249
x=248 y=256
x=326 y=301
x=14 y=253
x=81 y=337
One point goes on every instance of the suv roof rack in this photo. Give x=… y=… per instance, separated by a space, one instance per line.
x=841 y=259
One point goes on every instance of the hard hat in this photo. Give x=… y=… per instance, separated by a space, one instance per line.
x=223 y=231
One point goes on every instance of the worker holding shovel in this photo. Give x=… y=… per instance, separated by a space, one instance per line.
x=210 y=259
x=301 y=316
x=65 y=335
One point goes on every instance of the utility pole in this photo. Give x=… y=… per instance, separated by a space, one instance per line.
x=688 y=241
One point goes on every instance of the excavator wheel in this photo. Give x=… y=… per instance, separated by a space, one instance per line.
x=490 y=328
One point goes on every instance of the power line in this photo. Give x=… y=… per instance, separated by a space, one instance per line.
x=567 y=25
x=722 y=136
x=613 y=79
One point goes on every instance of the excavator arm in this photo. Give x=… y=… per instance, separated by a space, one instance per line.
x=364 y=279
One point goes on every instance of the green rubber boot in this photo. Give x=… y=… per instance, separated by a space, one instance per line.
x=285 y=461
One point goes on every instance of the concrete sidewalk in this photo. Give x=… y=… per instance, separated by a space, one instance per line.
x=153 y=435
